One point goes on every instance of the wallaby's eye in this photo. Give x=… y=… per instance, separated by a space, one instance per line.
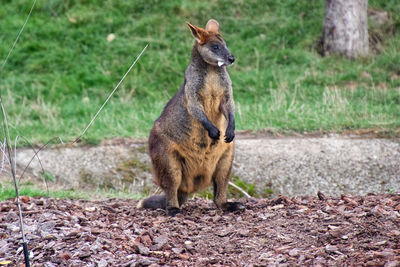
x=215 y=47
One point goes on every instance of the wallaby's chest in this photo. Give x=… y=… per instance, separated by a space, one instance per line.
x=212 y=94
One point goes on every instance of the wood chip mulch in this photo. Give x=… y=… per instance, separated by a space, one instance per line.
x=285 y=231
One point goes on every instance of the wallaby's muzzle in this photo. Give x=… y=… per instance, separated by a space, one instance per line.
x=231 y=59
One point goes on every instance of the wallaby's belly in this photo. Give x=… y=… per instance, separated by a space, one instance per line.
x=200 y=156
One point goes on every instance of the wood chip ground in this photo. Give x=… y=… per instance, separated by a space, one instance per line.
x=285 y=231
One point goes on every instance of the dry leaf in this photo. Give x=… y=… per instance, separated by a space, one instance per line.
x=72 y=20
x=25 y=199
x=110 y=37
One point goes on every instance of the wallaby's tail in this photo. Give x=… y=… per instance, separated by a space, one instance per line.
x=153 y=202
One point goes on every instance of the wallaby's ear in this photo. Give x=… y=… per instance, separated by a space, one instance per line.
x=198 y=33
x=212 y=26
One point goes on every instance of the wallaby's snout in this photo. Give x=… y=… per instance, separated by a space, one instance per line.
x=231 y=59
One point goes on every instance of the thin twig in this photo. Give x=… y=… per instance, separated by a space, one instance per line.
x=21 y=223
x=87 y=127
x=158 y=191
x=40 y=162
x=4 y=156
x=36 y=155
x=61 y=140
x=108 y=98
x=19 y=34
x=240 y=189
x=15 y=153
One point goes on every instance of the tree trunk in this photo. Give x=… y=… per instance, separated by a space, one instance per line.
x=345 y=28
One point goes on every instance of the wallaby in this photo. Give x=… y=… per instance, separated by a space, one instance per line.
x=185 y=147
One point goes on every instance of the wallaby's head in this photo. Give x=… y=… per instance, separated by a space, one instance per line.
x=210 y=45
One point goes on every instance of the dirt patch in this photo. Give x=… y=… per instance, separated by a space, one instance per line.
x=300 y=165
x=121 y=165
x=333 y=164
x=297 y=231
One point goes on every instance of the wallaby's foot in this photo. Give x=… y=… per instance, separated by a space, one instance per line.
x=233 y=206
x=172 y=211
x=152 y=202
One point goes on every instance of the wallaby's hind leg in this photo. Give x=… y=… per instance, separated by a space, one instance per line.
x=170 y=179
x=167 y=171
x=221 y=180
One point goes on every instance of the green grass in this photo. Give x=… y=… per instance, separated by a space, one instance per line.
x=7 y=191
x=63 y=67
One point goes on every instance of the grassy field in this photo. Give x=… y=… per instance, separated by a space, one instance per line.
x=63 y=67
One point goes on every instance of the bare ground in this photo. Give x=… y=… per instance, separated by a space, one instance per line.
x=331 y=163
x=296 y=231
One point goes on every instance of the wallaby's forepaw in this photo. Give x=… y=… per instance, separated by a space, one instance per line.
x=229 y=136
x=172 y=211
x=233 y=206
x=214 y=133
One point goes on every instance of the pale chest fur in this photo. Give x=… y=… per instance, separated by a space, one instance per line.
x=212 y=95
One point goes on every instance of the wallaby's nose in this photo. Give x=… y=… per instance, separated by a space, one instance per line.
x=231 y=59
